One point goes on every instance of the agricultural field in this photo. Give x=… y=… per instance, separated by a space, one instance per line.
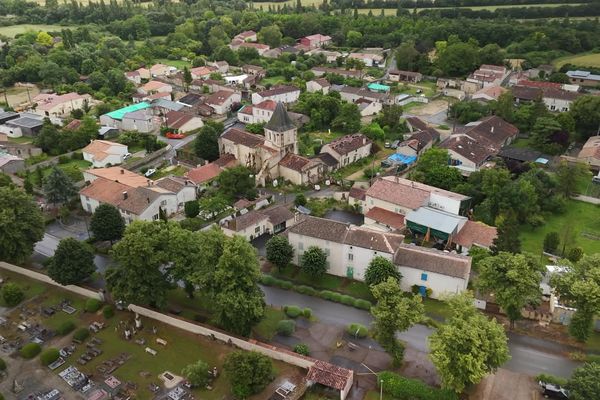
x=13 y=30
x=584 y=60
x=16 y=95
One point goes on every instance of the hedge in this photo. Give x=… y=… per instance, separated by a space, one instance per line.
x=551 y=379
x=30 y=350
x=92 y=305
x=65 y=328
x=310 y=291
x=402 y=388
x=49 y=356
x=292 y=311
x=307 y=313
x=286 y=327
x=108 y=311
x=357 y=330
x=81 y=334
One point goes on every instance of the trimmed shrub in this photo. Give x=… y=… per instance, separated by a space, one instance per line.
x=415 y=289
x=2 y=365
x=347 y=300
x=92 y=305
x=81 y=334
x=267 y=280
x=404 y=388
x=108 y=312
x=357 y=330
x=12 y=294
x=310 y=291
x=336 y=297
x=286 y=327
x=362 y=304
x=307 y=313
x=287 y=285
x=292 y=311
x=302 y=349
x=428 y=292
x=326 y=294
x=49 y=356
x=65 y=328
x=30 y=350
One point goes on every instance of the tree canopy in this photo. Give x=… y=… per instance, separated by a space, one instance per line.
x=279 y=251
x=72 y=263
x=379 y=270
x=59 y=188
x=107 y=223
x=314 y=261
x=249 y=372
x=21 y=224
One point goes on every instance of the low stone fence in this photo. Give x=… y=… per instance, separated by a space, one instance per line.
x=249 y=345
x=46 y=279
x=148 y=159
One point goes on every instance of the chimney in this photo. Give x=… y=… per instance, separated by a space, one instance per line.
x=124 y=195
x=148 y=200
x=122 y=172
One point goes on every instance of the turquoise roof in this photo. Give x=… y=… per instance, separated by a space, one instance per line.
x=379 y=87
x=118 y=114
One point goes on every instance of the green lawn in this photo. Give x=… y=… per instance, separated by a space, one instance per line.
x=74 y=169
x=20 y=140
x=583 y=217
x=521 y=143
x=266 y=329
x=177 y=171
x=179 y=64
x=583 y=59
x=13 y=30
x=30 y=287
x=273 y=80
x=436 y=308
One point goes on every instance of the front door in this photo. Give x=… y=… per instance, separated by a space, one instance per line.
x=350 y=272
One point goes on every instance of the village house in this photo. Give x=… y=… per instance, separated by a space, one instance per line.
x=348 y=149
x=418 y=142
x=405 y=76
x=52 y=104
x=223 y=100
x=554 y=97
x=102 y=153
x=590 y=152
x=144 y=73
x=136 y=197
x=258 y=113
x=153 y=87
x=416 y=124
x=315 y=41
x=487 y=75
x=487 y=94
x=474 y=234
x=134 y=77
x=283 y=93
x=255 y=223
x=162 y=70
x=584 y=78
x=259 y=47
x=352 y=94
x=204 y=175
x=318 y=85
x=254 y=70
x=369 y=59
x=478 y=142
x=368 y=107
x=300 y=170
x=202 y=72
x=350 y=249
x=125 y=118
x=22 y=150
x=247 y=36
x=330 y=56
x=222 y=67
x=181 y=122
x=139 y=97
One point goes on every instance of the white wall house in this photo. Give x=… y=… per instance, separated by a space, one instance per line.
x=283 y=94
x=102 y=153
x=222 y=100
x=348 y=149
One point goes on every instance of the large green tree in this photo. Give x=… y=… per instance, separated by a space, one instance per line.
x=271 y=35
x=72 y=263
x=586 y=112
x=468 y=346
x=197 y=374
x=279 y=251
x=379 y=270
x=579 y=286
x=568 y=175
x=21 y=224
x=206 y=144
x=248 y=372
x=145 y=248
x=314 y=261
x=433 y=169
x=58 y=187
x=237 y=182
x=107 y=223
x=507 y=238
x=348 y=119
x=394 y=312
x=514 y=279
x=584 y=383
x=238 y=301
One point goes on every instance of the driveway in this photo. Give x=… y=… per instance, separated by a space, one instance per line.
x=531 y=356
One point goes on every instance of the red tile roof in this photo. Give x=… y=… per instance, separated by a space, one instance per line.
x=386 y=217
x=402 y=195
x=329 y=375
x=204 y=173
x=475 y=233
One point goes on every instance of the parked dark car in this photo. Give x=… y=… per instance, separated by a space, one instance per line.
x=552 y=391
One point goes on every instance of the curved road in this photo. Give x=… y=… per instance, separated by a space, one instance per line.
x=530 y=355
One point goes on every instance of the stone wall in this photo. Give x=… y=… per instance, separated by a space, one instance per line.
x=46 y=279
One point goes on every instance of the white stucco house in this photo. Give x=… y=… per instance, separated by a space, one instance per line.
x=283 y=94
x=102 y=153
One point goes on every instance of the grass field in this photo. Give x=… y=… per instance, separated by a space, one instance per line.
x=584 y=217
x=179 y=64
x=585 y=60
x=74 y=169
x=13 y=30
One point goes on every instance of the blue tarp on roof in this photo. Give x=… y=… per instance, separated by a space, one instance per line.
x=402 y=159
x=378 y=87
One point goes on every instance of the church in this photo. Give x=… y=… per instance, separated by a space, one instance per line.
x=274 y=155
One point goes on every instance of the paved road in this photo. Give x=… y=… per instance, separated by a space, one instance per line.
x=529 y=355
